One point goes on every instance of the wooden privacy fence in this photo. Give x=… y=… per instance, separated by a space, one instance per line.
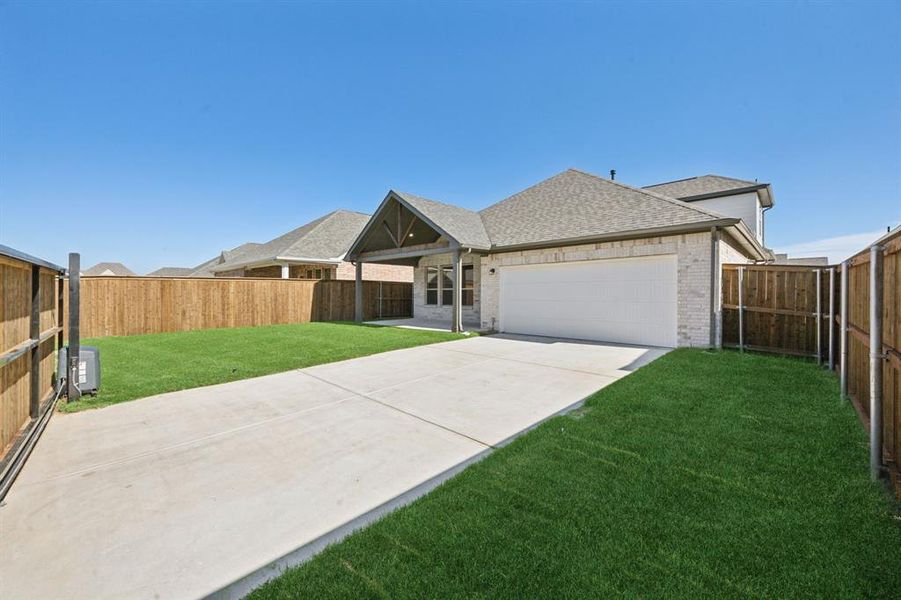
x=30 y=329
x=137 y=305
x=777 y=309
x=857 y=372
x=797 y=310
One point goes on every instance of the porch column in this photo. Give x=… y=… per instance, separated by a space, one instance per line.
x=457 y=306
x=358 y=293
x=286 y=273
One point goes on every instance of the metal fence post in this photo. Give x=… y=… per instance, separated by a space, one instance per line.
x=819 y=318
x=843 y=332
x=831 y=318
x=741 y=310
x=74 y=331
x=876 y=358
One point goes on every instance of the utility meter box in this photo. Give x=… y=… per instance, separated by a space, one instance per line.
x=88 y=381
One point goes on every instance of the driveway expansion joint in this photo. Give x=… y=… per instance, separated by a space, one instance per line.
x=400 y=410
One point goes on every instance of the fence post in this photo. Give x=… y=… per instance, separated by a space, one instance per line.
x=819 y=318
x=60 y=317
x=831 y=318
x=74 y=354
x=843 y=332
x=876 y=358
x=741 y=310
x=35 y=334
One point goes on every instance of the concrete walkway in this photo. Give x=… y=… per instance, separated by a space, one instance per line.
x=216 y=489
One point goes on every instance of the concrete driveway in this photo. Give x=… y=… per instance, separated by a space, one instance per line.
x=216 y=489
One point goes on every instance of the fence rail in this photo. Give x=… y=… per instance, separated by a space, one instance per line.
x=30 y=329
x=117 y=306
x=797 y=310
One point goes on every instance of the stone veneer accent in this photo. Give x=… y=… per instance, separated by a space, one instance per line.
x=693 y=272
x=443 y=313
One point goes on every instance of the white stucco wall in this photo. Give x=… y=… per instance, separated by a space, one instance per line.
x=743 y=206
x=693 y=252
x=471 y=314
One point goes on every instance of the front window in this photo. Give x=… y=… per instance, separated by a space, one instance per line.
x=468 y=284
x=431 y=285
x=439 y=283
x=447 y=286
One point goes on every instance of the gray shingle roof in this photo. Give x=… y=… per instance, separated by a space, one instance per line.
x=462 y=224
x=702 y=185
x=171 y=272
x=326 y=238
x=574 y=204
x=110 y=268
x=205 y=269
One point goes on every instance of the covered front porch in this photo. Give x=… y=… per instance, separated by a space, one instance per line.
x=442 y=243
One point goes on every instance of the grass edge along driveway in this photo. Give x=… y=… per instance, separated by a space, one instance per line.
x=702 y=474
x=144 y=365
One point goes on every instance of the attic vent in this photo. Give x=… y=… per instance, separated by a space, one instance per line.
x=612 y=174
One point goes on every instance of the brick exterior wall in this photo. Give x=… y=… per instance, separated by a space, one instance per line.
x=693 y=271
x=443 y=313
x=376 y=272
x=273 y=271
x=233 y=273
x=345 y=270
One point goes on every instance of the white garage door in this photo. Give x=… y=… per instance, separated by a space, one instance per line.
x=629 y=300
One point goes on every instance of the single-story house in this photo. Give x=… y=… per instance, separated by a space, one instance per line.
x=576 y=256
x=109 y=269
x=312 y=251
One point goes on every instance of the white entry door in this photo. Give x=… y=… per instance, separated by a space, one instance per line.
x=627 y=300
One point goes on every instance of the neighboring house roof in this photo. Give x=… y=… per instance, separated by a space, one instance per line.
x=711 y=186
x=574 y=204
x=205 y=269
x=325 y=239
x=110 y=268
x=171 y=272
x=459 y=223
x=810 y=261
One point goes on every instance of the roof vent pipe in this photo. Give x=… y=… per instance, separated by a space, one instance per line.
x=612 y=174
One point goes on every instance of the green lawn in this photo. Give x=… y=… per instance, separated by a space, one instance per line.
x=142 y=365
x=701 y=475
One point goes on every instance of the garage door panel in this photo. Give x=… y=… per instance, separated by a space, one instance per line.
x=622 y=300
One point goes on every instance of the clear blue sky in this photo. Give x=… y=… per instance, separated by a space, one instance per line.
x=158 y=134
